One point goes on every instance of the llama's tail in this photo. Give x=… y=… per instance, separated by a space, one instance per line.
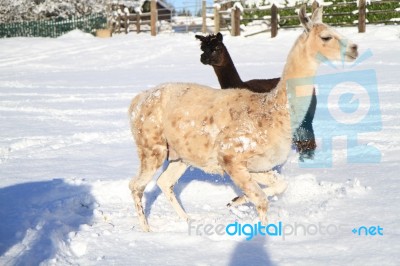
x=135 y=106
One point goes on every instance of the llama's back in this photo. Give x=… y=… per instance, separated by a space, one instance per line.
x=262 y=85
x=149 y=108
x=202 y=123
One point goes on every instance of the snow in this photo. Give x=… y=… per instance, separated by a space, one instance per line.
x=238 y=5
x=245 y=144
x=279 y=3
x=67 y=155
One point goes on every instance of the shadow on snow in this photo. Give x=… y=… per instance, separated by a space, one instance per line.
x=191 y=173
x=40 y=215
x=251 y=252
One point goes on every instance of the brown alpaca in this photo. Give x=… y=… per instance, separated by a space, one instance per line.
x=239 y=132
x=216 y=54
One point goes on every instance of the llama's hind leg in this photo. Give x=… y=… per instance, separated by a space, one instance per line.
x=242 y=178
x=137 y=186
x=167 y=181
x=275 y=182
x=151 y=160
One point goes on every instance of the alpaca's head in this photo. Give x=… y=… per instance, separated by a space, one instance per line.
x=323 y=41
x=214 y=51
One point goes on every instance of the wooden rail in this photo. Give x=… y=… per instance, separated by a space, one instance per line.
x=235 y=16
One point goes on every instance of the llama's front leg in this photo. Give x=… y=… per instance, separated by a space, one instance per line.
x=304 y=137
x=167 y=181
x=275 y=182
x=242 y=178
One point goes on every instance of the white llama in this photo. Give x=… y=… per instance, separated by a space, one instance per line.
x=239 y=132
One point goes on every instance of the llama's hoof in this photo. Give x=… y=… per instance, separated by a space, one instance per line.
x=307 y=155
x=190 y=220
x=232 y=203
x=185 y=217
x=145 y=227
x=146 y=230
x=264 y=221
x=237 y=201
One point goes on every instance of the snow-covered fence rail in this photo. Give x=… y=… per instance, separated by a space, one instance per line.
x=375 y=11
x=336 y=13
x=151 y=15
x=52 y=28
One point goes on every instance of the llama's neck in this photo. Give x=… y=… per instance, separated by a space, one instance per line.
x=227 y=74
x=301 y=62
x=299 y=70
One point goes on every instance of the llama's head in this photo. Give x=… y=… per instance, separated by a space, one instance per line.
x=323 y=41
x=214 y=51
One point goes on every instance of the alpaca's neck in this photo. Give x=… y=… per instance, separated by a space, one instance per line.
x=300 y=62
x=300 y=69
x=227 y=74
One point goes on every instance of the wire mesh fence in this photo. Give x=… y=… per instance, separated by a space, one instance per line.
x=52 y=28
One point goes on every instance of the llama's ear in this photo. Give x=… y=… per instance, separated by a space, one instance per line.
x=199 y=37
x=219 y=37
x=317 y=15
x=304 y=19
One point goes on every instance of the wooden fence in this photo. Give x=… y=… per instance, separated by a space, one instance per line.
x=52 y=28
x=337 y=14
x=346 y=13
x=122 y=21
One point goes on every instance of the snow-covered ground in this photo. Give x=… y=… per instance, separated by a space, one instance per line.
x=66 y=157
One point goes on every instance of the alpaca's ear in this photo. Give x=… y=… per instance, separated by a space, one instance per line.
x=317 y=15
x=219 y=37
x=304 y=19
x=199 y=37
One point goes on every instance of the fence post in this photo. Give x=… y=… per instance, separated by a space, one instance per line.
x=274 y=21
x=216 y=19
x=314 y=6
x=153 y=17
x=361 y=15
x=203 y=15
x=235 y=21
x=119 y=23
x=138 y=23
x=126 y=24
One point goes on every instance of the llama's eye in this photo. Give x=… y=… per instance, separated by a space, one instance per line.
x=326 y=39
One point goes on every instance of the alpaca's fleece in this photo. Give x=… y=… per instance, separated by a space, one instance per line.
x=209 y=128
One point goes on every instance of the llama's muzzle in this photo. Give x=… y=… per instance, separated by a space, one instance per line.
x=351 y=52
x=204 y=59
